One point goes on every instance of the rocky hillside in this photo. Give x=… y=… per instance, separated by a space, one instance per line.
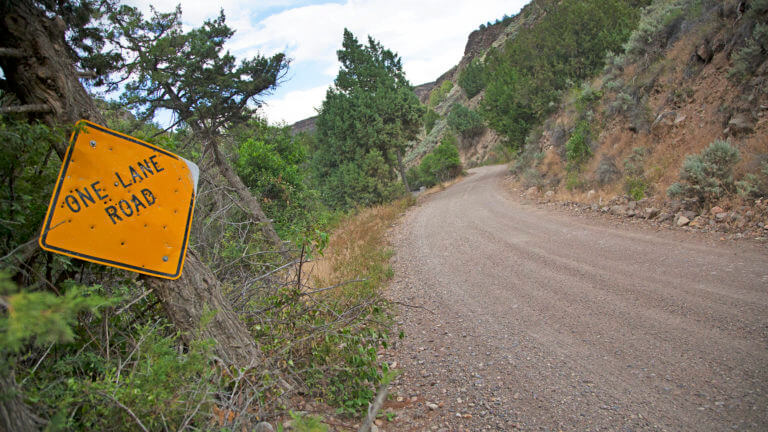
x=675 y=126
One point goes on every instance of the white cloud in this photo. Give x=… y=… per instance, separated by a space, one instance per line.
x=294 y=105
x=429 y=35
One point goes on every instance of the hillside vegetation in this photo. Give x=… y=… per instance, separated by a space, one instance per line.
x=615 y=101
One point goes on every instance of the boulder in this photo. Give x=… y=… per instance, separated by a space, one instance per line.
x=716 y=210
x=651 y=212
x=682 y=221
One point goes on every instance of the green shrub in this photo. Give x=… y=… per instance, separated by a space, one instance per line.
x=526 y=79
x=654 y=29
x=442 y=164
x=754 y=185
x=438 y=94
x=472 y=78
x=465 y=121
x=430 y=118
x=709 y=175
x=755 y=52
x=577 y=149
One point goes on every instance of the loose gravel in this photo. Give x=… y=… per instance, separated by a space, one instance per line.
x=519 y=318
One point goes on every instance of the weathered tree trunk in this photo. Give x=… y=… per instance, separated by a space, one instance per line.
x=196 y=293
x=47 y=75
x=401 y=168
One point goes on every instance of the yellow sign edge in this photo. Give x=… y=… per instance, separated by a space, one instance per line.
x=54 y=196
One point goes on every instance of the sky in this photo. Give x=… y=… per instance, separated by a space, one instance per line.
x=429 y=35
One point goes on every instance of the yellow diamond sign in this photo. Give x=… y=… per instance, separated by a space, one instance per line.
x=121 y=202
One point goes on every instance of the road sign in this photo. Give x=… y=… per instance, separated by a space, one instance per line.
x=121 y=202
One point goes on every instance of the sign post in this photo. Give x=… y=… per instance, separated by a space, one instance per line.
x=121 y=202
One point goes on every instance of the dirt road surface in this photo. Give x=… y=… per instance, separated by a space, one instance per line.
x=533 y=320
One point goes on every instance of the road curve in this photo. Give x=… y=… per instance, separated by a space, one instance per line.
x=517 y=318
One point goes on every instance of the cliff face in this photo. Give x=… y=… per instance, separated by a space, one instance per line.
x=306 y=125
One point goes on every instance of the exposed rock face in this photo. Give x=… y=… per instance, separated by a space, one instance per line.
x=422 y=91
x=481 y=39
x=306 y=125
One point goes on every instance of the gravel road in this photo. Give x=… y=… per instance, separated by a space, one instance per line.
x=533 y=320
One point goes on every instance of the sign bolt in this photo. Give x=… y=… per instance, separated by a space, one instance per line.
x=165 y=258
x=93 y=143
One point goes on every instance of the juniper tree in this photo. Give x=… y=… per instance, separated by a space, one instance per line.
x=369 y=115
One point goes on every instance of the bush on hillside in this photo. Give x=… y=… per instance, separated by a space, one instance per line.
x=709 y=175
x=465 y=121
x=430 y=118
x=438 y=94
x=472 y=79
x=577 y=149
x=442 y=164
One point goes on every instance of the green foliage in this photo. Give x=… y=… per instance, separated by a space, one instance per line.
x=307 y=423
x=472 y=78
x=466 y=122
x=442 y=164
x=429 y=119
x=271 y=162
x=709 y=175
x=364 y=182
x=754 y=53
x=438 y=94
x=163 y=387
x=655 y=29
x=188 y=72
x=43 y=317
x=577 y=149
x=366 y=120
x=754 y=185
x=526 y=78
x=28 y=170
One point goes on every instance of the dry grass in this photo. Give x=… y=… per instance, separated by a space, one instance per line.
x=357 y=248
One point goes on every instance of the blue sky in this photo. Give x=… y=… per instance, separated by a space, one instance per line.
x=429 y=35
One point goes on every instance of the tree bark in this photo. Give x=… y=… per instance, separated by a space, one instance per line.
x=46 y=74
x=195 y=293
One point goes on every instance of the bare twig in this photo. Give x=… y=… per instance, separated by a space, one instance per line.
x=122 y=309
x=32 y=372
